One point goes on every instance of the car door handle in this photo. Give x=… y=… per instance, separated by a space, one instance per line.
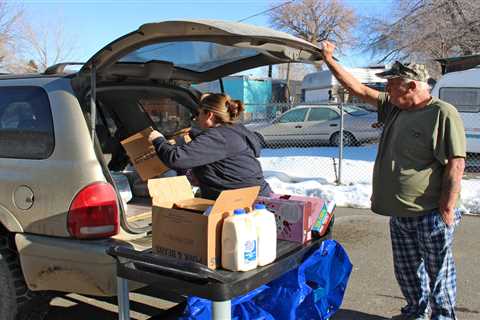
x=333 y=125
x=298 y=126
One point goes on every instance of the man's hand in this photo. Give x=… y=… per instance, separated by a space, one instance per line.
x=327 y=50
x=348 y=81
x=451 y=184
x=154 y=135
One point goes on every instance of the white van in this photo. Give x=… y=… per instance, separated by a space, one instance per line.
x=323 y=87
x=462 y=89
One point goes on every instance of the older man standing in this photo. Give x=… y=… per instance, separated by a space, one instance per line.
x=416 y=181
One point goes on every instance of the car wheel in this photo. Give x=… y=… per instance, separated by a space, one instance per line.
x=261 y=139
x=348 y=139
x=17 y=302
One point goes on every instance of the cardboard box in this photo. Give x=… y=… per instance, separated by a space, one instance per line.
x=182 y=136
x=295 y=218
x=317 y=205
x=185 y=234
x=143 y=156
x=198 y=205
x=323 y=221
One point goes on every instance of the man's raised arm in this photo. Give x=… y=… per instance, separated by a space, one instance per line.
x=348 y=81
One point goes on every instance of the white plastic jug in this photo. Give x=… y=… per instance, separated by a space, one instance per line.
x=266 y=235
x=239 y=242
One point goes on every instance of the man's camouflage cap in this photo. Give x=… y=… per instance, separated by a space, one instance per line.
x=412 y=71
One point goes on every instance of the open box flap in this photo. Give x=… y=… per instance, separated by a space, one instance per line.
x=230 y=200
x=169 y=190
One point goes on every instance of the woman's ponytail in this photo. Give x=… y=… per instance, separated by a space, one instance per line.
x=234 y=108
x=225 y=109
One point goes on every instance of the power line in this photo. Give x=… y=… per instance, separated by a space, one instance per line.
x=265 y=11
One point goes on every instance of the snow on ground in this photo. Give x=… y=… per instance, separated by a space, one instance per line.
x=312 y=172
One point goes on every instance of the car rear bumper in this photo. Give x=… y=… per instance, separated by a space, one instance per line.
x=68 y=265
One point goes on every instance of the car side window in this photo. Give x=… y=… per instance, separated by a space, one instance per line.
x=26 y=126
x=297 y=115
x=168 y=115
x=321 y=114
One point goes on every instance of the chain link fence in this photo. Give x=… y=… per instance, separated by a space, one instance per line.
x=471 y=121
x=332 y=142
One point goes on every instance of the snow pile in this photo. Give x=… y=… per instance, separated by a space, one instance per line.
x=312 y=172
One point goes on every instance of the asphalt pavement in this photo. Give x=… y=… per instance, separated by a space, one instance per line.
x=372 y=292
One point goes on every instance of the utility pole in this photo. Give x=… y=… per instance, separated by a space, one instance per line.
x=288 y=85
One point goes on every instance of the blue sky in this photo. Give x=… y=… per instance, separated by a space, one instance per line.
x=93 y=24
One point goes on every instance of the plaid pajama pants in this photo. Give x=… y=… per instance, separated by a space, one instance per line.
x=424 y=266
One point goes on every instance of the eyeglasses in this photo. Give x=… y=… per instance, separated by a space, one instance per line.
x=194 y=116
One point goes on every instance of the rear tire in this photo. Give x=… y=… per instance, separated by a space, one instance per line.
x=17 y=302
x=348 y=139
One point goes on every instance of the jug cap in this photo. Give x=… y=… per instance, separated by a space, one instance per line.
x=239 y=211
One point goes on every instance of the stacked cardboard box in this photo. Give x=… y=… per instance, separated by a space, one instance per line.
x=179 y=227
x=298 y=216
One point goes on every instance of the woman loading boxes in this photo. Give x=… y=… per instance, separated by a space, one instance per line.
x=223 y=155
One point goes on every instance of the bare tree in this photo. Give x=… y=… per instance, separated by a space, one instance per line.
x=47 y=44
x=426 y=29
x=25 y=47
x=316 y=20
x=10 y=21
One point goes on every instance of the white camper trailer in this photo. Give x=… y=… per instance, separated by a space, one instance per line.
x=321 y=87
x=462 y=89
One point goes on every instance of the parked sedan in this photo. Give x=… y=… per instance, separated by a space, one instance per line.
x=320 y=124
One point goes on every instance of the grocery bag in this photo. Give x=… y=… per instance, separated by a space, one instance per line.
x=314 y=290
x=243 y=308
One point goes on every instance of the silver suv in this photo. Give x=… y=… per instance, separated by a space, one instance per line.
x=67 y=190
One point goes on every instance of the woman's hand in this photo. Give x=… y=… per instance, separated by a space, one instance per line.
x=154 y=135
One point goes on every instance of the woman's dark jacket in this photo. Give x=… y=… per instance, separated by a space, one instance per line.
x=221 y=158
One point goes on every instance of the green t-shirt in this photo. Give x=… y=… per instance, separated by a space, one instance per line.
x=414 y=148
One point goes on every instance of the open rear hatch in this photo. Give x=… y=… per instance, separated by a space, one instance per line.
x=195 y=51
x=177 y=54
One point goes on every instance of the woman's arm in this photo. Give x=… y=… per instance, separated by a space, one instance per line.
x=208 y=147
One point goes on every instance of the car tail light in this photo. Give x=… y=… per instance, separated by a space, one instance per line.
x=93 y=213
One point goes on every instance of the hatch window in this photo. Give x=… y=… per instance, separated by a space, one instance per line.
x=196 y=56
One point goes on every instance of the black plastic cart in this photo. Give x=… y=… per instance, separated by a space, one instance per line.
x=189 y=278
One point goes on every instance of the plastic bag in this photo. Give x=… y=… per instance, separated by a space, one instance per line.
x=243 y=308
x=314 y=290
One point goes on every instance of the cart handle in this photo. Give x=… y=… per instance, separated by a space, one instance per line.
x=171 y=266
